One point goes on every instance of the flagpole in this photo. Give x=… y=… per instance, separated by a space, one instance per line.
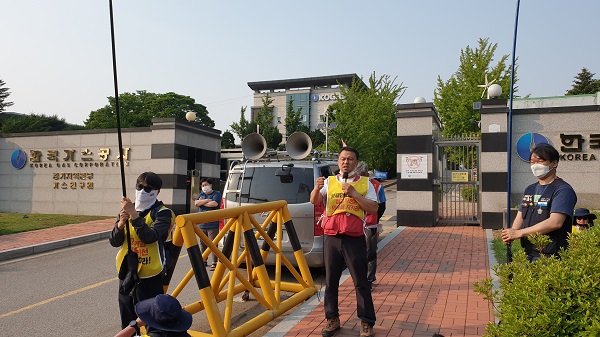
x=509 y=131
x=114 y=62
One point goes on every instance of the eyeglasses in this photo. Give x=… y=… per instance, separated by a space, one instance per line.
x=147 y=189
x=581 y=218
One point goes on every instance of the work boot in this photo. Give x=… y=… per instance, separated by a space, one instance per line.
x=366 y=330
x=333 y=325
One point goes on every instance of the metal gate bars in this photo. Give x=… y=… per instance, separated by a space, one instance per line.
x=456 y=167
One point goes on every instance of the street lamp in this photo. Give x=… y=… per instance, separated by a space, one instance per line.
x=190 y=116
x=327 y=127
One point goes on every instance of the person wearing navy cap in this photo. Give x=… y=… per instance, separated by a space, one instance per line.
x=162 y=315
x=583 y=220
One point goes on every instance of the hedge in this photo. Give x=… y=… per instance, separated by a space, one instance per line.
x=550 y=297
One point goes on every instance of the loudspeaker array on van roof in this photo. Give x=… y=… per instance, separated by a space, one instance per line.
x=298 y=146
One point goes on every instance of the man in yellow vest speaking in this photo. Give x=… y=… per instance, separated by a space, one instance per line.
x=347 y=197
x=140 y=232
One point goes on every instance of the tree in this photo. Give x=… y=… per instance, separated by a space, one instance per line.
x=584 y=83
x=292 y=118
x=366 y=119
x=244 y=127
x=272 y=136
x=317 y=137
x=454 y=98
x=264 y=120
x=137 y=110
x=227 y=142
x=35 y=123
x=4 y=93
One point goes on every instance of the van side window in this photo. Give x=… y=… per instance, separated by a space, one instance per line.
x=262 y=185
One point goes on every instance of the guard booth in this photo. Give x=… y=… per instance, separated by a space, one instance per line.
x=456 y=180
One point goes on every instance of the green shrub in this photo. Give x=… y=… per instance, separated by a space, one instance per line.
x=469 y=193
x=551 y=297
x=500 y=250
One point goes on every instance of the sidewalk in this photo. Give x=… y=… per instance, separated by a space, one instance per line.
x=425 y=286
x=425 y=280
x=17 y=245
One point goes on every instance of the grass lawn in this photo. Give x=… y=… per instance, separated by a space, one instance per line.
x=500 y=248
x=19 y=222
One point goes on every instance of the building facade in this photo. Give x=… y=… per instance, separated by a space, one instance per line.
x=78 y=172
x=313 y=95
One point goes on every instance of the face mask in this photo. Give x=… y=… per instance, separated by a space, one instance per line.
x=143 y=199
x=206 y=189
x=540 y=170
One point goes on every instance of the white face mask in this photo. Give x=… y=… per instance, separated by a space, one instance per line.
x=540 y=170
x=206 y=189
x=143 y=199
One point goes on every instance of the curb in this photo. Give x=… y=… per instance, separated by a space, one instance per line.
x=16 y=253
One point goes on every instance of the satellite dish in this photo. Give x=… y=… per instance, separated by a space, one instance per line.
x=486 y=86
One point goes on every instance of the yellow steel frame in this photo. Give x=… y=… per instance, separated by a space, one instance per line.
x=227 y=273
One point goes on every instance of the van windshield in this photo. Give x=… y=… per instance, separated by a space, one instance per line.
x=262 y=185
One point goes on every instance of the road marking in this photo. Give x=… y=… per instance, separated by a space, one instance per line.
x=58 y=297
x=70 y=293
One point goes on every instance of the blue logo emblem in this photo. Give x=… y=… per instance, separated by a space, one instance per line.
x=527 y=142
x=18 y=159
x=314 y=97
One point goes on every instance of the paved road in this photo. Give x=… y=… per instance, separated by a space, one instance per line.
x=73 y=291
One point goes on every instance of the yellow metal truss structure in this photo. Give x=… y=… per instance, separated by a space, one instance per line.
x=228 y=279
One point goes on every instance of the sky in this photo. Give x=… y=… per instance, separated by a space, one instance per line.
x=56 y=56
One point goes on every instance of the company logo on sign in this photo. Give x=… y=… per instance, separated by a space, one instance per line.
x=325 y=97
x=527 y=142
x=414 y=162
x=18 y=159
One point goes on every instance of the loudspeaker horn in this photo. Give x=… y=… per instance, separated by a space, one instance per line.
x=298 y=145
x=254 y=146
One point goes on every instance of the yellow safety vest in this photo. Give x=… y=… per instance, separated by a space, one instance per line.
x=150 y=260
x=337 y=203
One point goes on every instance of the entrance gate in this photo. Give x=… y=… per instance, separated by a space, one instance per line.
x=456 y=167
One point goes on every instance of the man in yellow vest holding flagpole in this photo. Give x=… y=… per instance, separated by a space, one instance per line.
x=140 y=232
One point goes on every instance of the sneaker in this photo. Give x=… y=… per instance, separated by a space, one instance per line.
x=366 y=330
x=333 y=325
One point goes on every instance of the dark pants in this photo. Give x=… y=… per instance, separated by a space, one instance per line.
x=351 y=250
x=372 y=238
x=147 y=288
x=212 y=234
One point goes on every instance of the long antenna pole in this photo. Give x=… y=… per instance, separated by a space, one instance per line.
x=509 y=133
x=114 y=61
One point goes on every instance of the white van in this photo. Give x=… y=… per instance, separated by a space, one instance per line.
x=290 y=180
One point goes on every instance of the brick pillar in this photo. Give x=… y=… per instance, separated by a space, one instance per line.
x=493 y=166
x=417 y=125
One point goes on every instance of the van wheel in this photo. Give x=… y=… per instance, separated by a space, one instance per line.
x=246 y=296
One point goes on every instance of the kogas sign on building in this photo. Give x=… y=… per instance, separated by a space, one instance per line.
x=572 y=147
x=326 y=97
